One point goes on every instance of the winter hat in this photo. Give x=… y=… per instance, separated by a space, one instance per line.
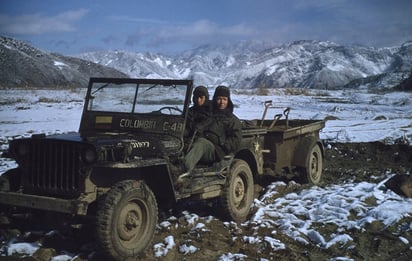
x=201 y=91
x=222 y=91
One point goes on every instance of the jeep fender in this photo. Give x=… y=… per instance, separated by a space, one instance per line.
x=303 y=148
x=154 y=172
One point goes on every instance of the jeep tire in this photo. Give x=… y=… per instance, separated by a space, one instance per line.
x=126 y=220
x=312 y=172
x=237 y=196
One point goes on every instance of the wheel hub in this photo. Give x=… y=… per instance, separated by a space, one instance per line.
x=130 y=220
x=238 y=191
x=314 y=167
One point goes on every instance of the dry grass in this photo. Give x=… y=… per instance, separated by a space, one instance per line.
x=48 y=100
x=282 y=91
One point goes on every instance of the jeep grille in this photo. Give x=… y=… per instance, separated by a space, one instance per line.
x=52 y=168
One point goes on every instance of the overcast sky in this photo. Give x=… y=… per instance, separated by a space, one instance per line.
x=169 y=26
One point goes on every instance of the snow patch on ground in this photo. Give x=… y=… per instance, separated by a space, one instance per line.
x=347 y=206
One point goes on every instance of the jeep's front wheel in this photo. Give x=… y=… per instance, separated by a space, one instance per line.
x=126 y=220
x=237 y=197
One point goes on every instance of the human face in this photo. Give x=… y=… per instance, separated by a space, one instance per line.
x=200 y=100
x=222 y=102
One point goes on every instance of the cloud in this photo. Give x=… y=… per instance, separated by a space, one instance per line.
x=201 y=28
x=37 y=24
x=198 y=32
x=123 y=18
x=379 y=23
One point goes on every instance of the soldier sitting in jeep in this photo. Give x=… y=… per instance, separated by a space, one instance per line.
x=217 y=136
x=199 y=112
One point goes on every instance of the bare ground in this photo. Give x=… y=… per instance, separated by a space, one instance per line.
x=347 y=162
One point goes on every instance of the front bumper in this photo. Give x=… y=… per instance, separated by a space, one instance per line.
x=69 y=206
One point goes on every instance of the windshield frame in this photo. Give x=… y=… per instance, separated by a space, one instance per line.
x=91 y=117
x=137 y=96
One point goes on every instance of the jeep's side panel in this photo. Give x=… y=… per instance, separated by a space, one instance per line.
x=281 y=146
x=252 y=148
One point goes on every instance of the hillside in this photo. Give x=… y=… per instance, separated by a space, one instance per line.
x=21 y=65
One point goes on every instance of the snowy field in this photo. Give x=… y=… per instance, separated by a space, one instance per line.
x=355 y=116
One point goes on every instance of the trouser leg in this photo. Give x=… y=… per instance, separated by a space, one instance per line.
x=202 y=149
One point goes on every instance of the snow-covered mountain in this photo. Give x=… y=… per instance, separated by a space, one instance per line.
x=22 y=65
x=305 y=64
x=309 y=64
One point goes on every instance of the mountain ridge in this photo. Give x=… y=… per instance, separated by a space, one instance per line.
x=304 y=64
x=247 y=64
x=22 y=65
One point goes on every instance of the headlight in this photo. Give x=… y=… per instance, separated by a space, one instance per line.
x=89 y=156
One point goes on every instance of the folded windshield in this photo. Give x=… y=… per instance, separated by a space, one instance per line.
x=137 y=98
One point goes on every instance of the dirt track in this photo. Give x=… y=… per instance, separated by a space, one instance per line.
x=344 y=163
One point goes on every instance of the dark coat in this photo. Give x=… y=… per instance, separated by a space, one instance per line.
x=224 y=131
x=197 y=118
x=221 y=127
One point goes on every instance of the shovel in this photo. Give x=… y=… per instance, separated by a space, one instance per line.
x=276 y=118
x=267 y=105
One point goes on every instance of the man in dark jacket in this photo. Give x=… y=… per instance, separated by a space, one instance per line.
x=219 y=135
x=199 y=112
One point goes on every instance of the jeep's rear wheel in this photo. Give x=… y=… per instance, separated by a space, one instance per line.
x=312 y=172
x=237 y=196
x=126 y=219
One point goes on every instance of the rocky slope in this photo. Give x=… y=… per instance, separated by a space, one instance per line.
x=21 y=65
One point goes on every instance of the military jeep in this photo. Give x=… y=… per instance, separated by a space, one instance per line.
x=118 y=168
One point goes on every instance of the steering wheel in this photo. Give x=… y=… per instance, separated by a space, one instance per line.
x=170 y=110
